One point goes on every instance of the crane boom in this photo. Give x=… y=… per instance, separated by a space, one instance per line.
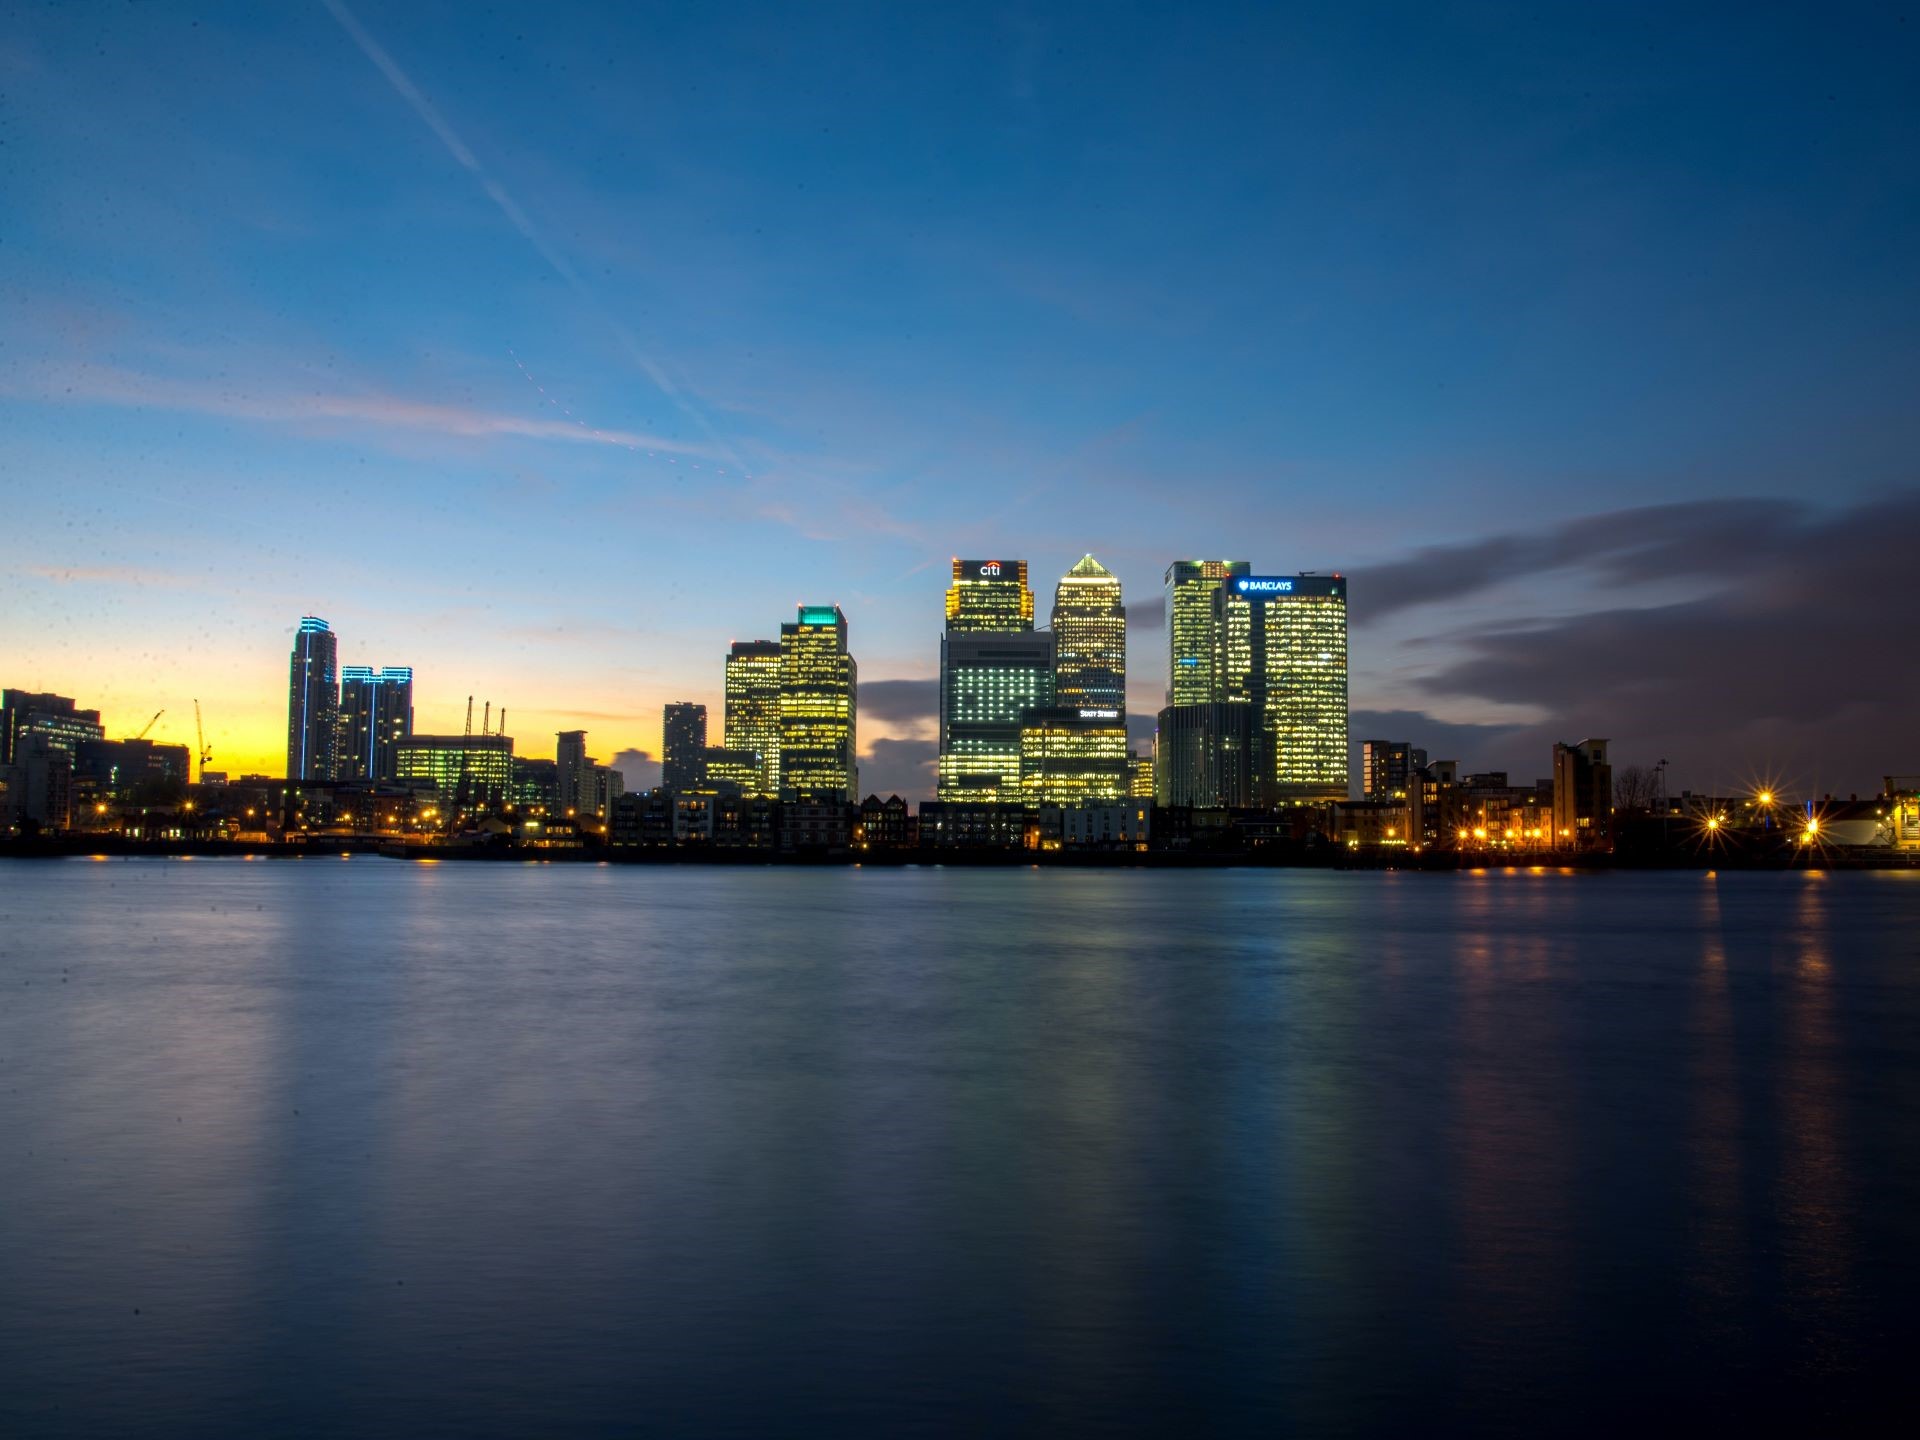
x=149 y=725
x=200 y=736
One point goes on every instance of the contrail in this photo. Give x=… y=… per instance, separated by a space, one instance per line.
x=463 y=155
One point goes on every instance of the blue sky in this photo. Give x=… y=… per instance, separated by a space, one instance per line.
x=548 y=349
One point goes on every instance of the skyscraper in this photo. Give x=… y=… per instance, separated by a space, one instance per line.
x=818 y=682
x=993 y=666
x=1191 y=585
x=1280 y=644
x=573 y=773
x=989 y=595
x=1090 y=639
x=313 y=703
x=753 y=708
x=376 y=713
x=1203 y=756
x=683 y=746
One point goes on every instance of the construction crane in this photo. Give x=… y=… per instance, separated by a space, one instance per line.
x=460 y=790
x=200 y=735
x=149 y=725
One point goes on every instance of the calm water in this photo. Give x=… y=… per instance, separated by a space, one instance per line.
x=361 y=1147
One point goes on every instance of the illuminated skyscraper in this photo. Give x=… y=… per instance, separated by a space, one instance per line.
x=1073 y=755
x=993 y=666
x=313 y=703
x=1190 y=642
x=753 y=708
x=1090 y=639
x=818 y=681
x=683 y=746
x=1280 y=645
x=376 y=713
x=989 y=595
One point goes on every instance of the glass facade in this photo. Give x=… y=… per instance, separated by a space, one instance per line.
x=1090 y=638
x=989 y=595
x=1280 y=645
x=1073 y=755
x=818 y=679
x=1191 y=585
x=313 y=703
x=472 y=772
x=753 y=709
x=376 y=714
x=987 y=681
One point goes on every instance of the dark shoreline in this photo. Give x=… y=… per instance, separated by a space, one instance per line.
x=1271 y=857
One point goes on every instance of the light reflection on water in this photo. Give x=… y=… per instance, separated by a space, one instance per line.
x=365 y=1147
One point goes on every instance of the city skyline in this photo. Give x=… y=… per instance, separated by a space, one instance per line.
x=490 y=295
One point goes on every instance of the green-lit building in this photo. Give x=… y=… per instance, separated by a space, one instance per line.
x=989 y=595
x=1073 y=755
x=1191 y=586
x=753 y=709
x=474 y=772
x=818 y=683
x=1090 y=639
x=1280 y=645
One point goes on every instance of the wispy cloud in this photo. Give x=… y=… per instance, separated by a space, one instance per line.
x=517 y=216
x=105 y=385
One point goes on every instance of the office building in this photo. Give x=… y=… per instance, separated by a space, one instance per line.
x=1389 y=769
x=1280 y=645
x=683 y=746
x=1140 y=777
x=753 y=709
x=1190 y=588
x=573 y=775
x=376 y=714
x=1072 y=755
x=818 y=686
x=313 y=703
x=727 y=771
x=1090 y=639
x=1582 y=796
x=1203 y=756
x=536 y=786
x=54 y=718
x=988 y=680
x=990 y=595
x=468 y=772
x=114 y=767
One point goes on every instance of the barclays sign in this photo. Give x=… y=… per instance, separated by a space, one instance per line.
x=1254 y=586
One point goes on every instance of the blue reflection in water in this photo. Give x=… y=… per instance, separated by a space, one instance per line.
x=360 y=1147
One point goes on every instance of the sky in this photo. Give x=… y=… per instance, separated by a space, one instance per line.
x=548 y=349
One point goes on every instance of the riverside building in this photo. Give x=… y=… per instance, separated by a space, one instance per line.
x=683 y=746
x=376 y=714
x=1280 y=645
x=993 y=667
x=1073 y=755
x=313 y=702
x=818 y=680
x=753 y=709
x=1090 y=639
x=1191 y=586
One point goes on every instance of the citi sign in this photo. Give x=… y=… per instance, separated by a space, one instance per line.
x=991 y=567
x=1269 y=587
